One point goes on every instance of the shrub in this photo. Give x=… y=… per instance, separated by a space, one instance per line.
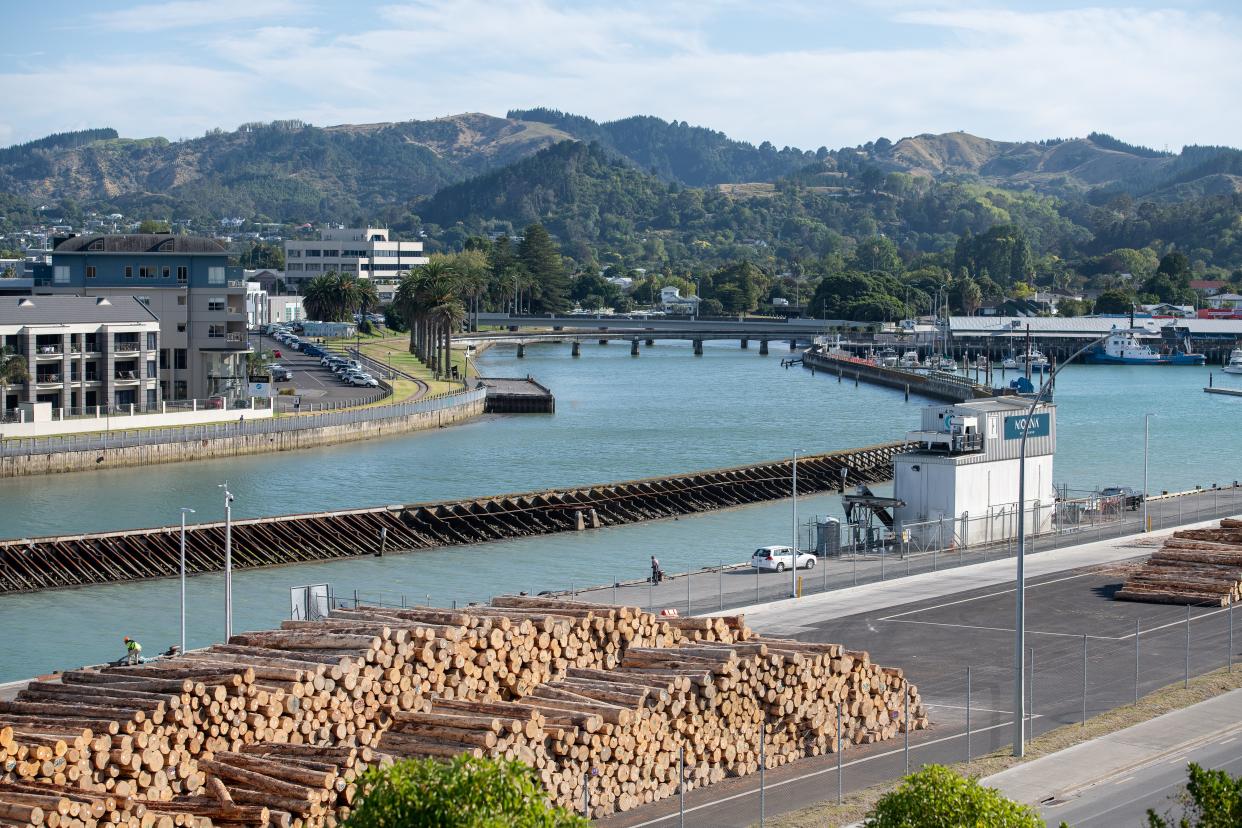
x=1213 y=800
x=465 y=793
x=936 y=797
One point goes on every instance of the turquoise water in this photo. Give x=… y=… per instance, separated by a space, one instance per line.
x=617 y=417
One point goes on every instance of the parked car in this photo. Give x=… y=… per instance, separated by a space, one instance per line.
x=780 y=558
x=279 y=373
x=362 y=381
x=1131 y=498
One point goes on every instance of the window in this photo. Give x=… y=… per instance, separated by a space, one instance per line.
x=151 y=399
x=293 y=254
x=90 y=271
x=146 y=300
x=164 y=363
x=331 y=254
x=314 y=253
x=215 y=275
x=181 y=389
x=152 y=340
x=97 y=244
x=166 y=271
x=146 y=272
x=294 y=266
x=129 y=272
x=151 y=372
x=180 y=327
x=179 y=359
x=216 y=303
x=183 y=274
x=215 y=332
x=60 y=274
x=181 y=299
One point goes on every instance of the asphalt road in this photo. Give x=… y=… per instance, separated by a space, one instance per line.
x=311 y=381
x=1125 y=801
x=936 y=640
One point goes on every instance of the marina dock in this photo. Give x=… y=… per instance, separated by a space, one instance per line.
x=522 y=395
x=934 y=384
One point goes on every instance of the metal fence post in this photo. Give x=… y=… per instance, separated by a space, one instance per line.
x=1136 y=660
x=1030 y=721
x=681 y=787
x=1231 y=636
x=907 y=729
x=1084 y=681
x=720 y=585
x=839 y=782
x=854 y=556
x=1186 y=674
x=689 y=578
x=756 y=584
x=968 y=714
x=614 y=590
x=882 y=557
x=763 y=735
x=650 y=593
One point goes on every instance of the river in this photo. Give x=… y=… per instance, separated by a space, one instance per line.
x=618 y=417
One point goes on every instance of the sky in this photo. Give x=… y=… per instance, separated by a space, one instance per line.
x=794 y=72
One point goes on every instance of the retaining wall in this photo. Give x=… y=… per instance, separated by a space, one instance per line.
x=233 y=445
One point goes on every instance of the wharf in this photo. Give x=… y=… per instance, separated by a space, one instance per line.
x=523 y=395
x=934 y=384
x=1228 y=392
x=51 y=562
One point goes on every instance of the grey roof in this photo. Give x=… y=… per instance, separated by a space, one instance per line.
x=1082 y=326
x=142 y=243
x=72 y=310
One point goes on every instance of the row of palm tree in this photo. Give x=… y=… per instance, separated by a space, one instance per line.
x=336 y=297
x=429 y=300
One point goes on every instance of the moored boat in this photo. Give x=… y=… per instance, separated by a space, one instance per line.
x=1234 y=365
x=1122 y=348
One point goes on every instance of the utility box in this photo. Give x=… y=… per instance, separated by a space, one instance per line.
x=827 y=537
x=960 y=485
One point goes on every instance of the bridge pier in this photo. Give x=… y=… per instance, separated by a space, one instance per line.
x=763 y=347
x=576 y=348
x=633 y=347
x=650 y=342
x=793 y=344
x=745 y=343
x=698 y=347
x=603 y=342
x=521 y=350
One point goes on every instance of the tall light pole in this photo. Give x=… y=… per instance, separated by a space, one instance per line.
x=228 y=562
x=1019 y=656
x=184 y=510
x=793 y=568
x=1146 y=443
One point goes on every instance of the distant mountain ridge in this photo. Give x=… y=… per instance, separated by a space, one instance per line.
x=290 y=170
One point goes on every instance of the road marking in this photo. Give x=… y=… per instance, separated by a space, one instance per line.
x=998 y=629
x=1123 y=780
x=964 y=707
x=989 y=595
x=1227 y=741
x=1179 y=759
x=813 y=774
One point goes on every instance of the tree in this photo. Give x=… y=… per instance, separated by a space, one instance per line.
x=936 y=797
x=320 y=297
x=1174 y=264
x=13 y=370
x=1115 y=301
x=153 y=226
x=468 y=792
x=1073 y=307
x=1213 y=800
x=965 y=296
x=877 y=253
x=262 y=255
x=542 y=260
x=427 y=299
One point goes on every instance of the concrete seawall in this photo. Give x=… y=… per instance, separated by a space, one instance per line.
x=233 y=445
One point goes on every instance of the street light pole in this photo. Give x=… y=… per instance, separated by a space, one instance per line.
x=228 y=562
x=1146 y=443
x=184 y=511
x=793 y=569
x=1019 y=659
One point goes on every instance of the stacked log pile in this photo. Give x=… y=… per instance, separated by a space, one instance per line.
x=275 y=726
x=1201 y=567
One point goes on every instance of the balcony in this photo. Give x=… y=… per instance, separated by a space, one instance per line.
x=126 y=375
x=48 y=378
x=47 y=351
x=126 y=346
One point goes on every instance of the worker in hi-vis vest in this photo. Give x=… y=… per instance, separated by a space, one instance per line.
x=133 y=651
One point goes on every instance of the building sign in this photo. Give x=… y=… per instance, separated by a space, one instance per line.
x=1040 y=426
x=259 y=389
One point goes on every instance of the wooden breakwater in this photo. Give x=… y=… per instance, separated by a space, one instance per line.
x=108 y=557
x=934 y=384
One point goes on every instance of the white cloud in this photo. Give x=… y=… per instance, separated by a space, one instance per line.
x=1151 y=76
x=182 y=14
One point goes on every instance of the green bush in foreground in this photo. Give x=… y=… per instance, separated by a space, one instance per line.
x=464 y=793
x=936 y=797
x=1213 y=800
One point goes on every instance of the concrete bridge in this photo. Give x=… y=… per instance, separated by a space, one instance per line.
x=576 y=330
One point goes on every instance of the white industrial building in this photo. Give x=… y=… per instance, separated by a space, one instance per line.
x=960 y=486
x=365 y=252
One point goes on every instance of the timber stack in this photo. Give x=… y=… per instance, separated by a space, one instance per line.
x=1200 y=567
x=276 y=727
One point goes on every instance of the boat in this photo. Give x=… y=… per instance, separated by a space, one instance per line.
x=1234 y=365
x=1122 y=348
x=1033 y=358
x=887 y=358
x=942 y=363
x=1009 y=364
x=910 y=359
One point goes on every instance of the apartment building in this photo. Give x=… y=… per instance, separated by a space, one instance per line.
x=82 y=352
x=186 y=282
x=365 y=252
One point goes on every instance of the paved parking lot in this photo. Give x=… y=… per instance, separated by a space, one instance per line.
x=311 y=381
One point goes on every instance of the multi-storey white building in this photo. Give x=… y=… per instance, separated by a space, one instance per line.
x=364 y=252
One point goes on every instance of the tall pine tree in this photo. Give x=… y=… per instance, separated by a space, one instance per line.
x=541 y=258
